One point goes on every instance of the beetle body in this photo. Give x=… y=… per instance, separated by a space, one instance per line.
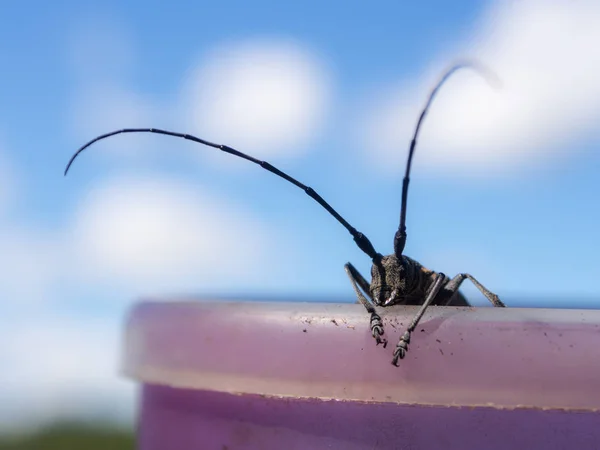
x=405 y=281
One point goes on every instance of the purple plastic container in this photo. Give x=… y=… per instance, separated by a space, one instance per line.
x=245 y=375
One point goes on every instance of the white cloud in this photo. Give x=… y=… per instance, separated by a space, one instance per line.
x=27 y=264
x=144 y=235
x=159 y=234
x=544 y=52
x=265 y=97
x=262 y=96
x=62 y=368
x=30 y=265
x=53 y=367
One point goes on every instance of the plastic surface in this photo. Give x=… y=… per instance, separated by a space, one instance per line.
x=502 y=376
x=191 y=419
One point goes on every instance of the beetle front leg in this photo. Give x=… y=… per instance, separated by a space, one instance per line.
x=376 y=324
x=402 y=346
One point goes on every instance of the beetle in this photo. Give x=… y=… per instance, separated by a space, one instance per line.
x=396 y=278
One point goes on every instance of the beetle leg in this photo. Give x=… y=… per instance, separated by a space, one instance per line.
x=402 y=346
x=376 y=324
x=453 y=285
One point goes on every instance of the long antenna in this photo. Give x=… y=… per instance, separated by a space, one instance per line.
x=491 y=78
x=361 y=240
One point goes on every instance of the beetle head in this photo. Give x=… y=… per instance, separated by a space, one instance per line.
x=388 y=274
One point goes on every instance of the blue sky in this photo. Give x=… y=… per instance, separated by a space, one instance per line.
x=504 y=182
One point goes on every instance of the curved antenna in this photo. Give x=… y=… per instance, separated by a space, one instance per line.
x=361 y=240
x=491 y=78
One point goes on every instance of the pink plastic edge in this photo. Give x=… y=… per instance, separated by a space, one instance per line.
x=499 y=358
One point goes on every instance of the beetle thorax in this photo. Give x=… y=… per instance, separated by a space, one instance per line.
x=393 y=279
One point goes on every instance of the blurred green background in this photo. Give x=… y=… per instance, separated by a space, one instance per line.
x=72 y=437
